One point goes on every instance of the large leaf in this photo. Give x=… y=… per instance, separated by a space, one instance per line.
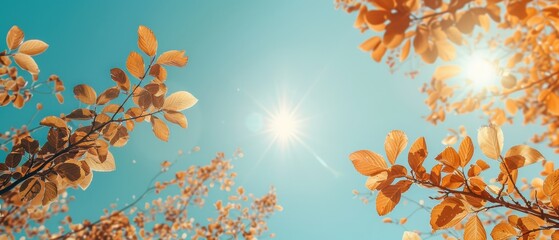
x=491 y=140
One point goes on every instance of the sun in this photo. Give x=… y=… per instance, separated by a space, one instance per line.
x=481 y=71
x=284 y=125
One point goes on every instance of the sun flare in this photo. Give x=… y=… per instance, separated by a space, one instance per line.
x=284 y=126
x=481 y=71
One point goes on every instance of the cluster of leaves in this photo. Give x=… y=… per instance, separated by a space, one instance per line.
x=14 y=88
x=37 y=173
x=527 y=38
x=241 y=215
x=463 y=193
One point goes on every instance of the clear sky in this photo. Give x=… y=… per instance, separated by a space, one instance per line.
x=245 y=58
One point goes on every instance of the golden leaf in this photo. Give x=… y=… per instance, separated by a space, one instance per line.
x=387 y=199
x=466 y=151
x=368 y=163
x=176 y=118
x=173 y=58
x=53 y=121
x=121 y=79
x=395 y=142
x=108 y=95
x=448 y=213
x=503 y=231
x=26 y=63
x=85 y=94
x=374 y=181
x=417 y=153
x=179 y=101
x=410 y=236
x=135 y=65
x=490 y=140
x=159 y=128
x=33 y=47
x=147 y=41
x=551 y=184
x=14 y=37
x=95 y=164
x=449 y=157
x=530 y=155
x=474 y=229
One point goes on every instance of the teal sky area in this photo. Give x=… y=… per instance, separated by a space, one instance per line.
x=246 y=58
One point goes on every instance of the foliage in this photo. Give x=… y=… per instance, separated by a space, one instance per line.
x=464 y=194
x=520 y=35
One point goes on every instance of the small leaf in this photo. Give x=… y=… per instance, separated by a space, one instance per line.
x=33 y=47
x=394 y=144
x=159 y=128
x=85 y=94
x=135 y=65
x=368 y=163
x=417 y=153
x=491 y=140
x=173 y=58
x=14 y=37
x=121 y=79
x=147 y=41
x=176 y=118
x=466 y=151
x=179 y=101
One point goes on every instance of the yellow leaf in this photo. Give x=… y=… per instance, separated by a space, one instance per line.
x=135 y=65
x=530 y=155
x=96 y=165
x=490 y=140
x=387 y=199
x=177 y=118
x=33 y=47
x=179 y=101
x=448 y=213
x=159 y=128
x=14 y=37
x=147 y=41
x=395 y=142
x=85 y=94
x=503 y=231
x=173 y=58
x=446 y=72
x=474 y=229
x=26 y=63
x=368 y=163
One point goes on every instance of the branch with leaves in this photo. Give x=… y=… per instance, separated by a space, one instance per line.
x=462 y=191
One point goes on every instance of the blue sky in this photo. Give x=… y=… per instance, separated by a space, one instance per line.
x=245 y=57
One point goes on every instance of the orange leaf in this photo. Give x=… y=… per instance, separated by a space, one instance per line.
x=405 y=50
x=33 y=47
x=466 y=151
x=179 y=101
x=120 y=78
x=173 y=58
x=176 y=118
x=446 y=72
x=26 y=63
x=448 y=213
x=387 y=199
x=368 y=163
x=490 y=140
x=85 y=94
x=503 y=231
x=159 y=128
x=530 y=155
x=53 y=121
x=394 y=144
x=14 y=37
x=474 y=229
x=417 y=153
x=449 y=157
x=551 y=184
x=147 y=41
x=135 y=65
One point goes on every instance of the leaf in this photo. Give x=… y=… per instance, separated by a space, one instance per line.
x=466 y=151
x=405 y=51
x=448 y=213
x=449 y=157
x=474 y=229
x=387 y=199
x=147 y=41
x=159 y=128
x=368 y=163
x=417 y=153
x=26 y=63
x=551 y=184
x=14 y=37
x=70 y=171
x=503 y=231
x=108 y=95
x=135 y=65
x=85 y=94
x=176 y=118
x=81 y=114
x=158 y=72
x=51 y=192
x=121 y=79
x=446 y=72
x=84 y=184
x=53 y=121
x=13 y=159
x=173 y=58
x=374 y=181
x=491 y=140
x=395 y=142
x=530 y=155
x=410 y=236
x=33 y=47
x=179 y=101
x=96 y=165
